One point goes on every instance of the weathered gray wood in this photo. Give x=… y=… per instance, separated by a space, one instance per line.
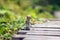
x=39 y=29
x=22 y=31
x=42 y=38
x=44 y=33
x=48 y=24
x=19 y=37
x=34 y=37
x=37 y=37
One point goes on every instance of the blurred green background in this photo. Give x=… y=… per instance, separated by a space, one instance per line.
x=13 y=14
x=31 y=7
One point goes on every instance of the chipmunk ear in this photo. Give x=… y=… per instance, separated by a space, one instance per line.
x=47 y=20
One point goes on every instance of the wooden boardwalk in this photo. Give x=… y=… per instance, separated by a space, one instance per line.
x=45 y=31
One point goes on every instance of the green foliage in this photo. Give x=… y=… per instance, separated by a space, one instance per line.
x=9 y=24
x=45 y=15
x=13 y=15
x=7 y=16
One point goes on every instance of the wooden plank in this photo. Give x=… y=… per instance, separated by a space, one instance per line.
x=48 y=24
x=39 y=29
x=44 y=32
x=21 y=37
x=18 y=37
x=22 y=31
x=42 y=38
